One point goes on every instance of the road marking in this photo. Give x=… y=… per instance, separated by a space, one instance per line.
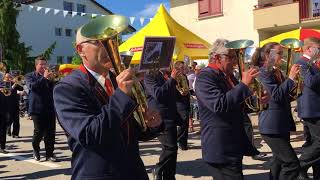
x=21 y=158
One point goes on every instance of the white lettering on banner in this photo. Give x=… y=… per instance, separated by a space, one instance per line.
x=194 y=46
x=136 y=49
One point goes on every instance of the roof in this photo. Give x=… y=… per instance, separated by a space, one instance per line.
x=132 y=29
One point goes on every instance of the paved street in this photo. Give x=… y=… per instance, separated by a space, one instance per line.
x=18 y=164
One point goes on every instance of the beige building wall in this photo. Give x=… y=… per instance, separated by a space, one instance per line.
x=235 y=23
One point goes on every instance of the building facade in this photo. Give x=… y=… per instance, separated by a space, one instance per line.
x=39 y=29
x=245 y=19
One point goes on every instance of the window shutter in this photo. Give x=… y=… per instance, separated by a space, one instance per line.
x=204 y=7
x=215 y=7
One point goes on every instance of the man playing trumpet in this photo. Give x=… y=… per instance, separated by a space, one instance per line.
x=41 y=108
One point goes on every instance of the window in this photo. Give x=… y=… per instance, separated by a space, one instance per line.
x=69 y=59
x=59 y=59
x=69 y=32
x=210 y=7
x=58 y=31
x=68 y=6
x=81 y=9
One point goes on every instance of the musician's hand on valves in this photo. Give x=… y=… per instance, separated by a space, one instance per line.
x=248 y=76
x=294 y=71
x=47 y=74
x=125 y=81
x=153 y=118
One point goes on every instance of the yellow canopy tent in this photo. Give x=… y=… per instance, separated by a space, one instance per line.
x=162 y=24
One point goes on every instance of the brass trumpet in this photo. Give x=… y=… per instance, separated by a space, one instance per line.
x=106 y=30
x=291 y=44
x=240 y=46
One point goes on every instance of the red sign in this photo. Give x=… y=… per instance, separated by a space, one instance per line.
x=136 y=49
x=194 y=46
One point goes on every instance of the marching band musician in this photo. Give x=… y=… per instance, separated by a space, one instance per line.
x=161 y=95
x=220 y=100
x=183 y=108
x=308 y=108
x=13 y=108
x=276 y=122
x=41 y=108
x=95 y=109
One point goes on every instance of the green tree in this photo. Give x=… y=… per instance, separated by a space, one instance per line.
x=48 y=52
x=14 y=53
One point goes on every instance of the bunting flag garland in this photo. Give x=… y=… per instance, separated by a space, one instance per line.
x=141 y=20
x=39 y=8
x=132 y=20
x=74 y=13
x=47 y=10
x=56 y=11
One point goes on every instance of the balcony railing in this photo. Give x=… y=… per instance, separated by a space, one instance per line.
x=308 y=9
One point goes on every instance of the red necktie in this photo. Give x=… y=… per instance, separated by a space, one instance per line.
x=108 y=85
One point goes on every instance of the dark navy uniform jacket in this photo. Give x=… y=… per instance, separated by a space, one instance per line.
x=40 y=94
x=101 y=131
x=161 y=95
x=308 y=102
x=277 y=118
x=223 y=138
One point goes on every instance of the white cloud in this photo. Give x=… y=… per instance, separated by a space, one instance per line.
x=151 y=9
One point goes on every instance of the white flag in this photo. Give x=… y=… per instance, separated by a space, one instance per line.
x=56 y=11
x=83 y=14
x=132 y=20
x=94 y=15
x=65 y=13
x=39 y=8
x=46 y=10
x=30 y=7
x=151 y=19
x=141 y=20
x=74 y=13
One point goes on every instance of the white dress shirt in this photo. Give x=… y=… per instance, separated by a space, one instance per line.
x=101 y=80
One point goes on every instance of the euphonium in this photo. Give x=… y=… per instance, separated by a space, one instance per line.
x=107 y=29
x=291 y=45
x=240 y=46
x=182 y=84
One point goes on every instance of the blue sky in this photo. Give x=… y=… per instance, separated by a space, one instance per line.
x=136 y=8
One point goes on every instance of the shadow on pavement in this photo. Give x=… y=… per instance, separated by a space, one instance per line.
x=40 y=174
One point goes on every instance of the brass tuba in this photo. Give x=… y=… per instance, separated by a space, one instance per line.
x=240 y=46
x=107 y=29
x=292 y=44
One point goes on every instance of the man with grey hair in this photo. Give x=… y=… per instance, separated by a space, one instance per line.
x=220 y=99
